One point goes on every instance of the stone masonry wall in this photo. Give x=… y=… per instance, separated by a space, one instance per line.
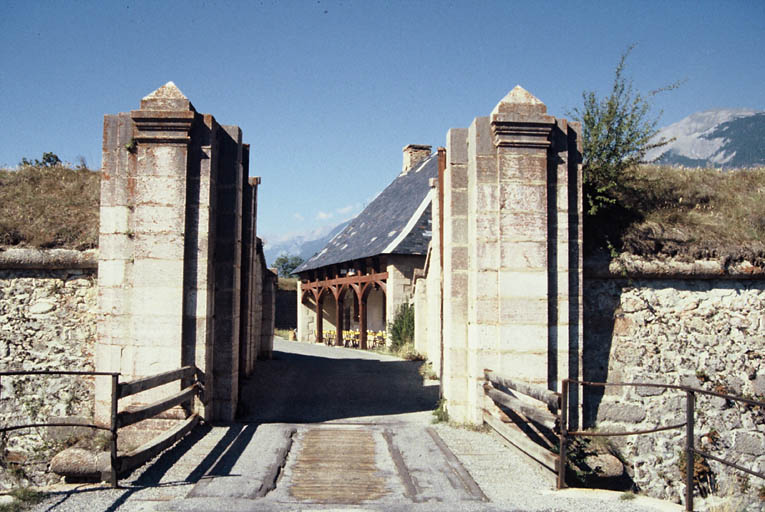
x=704 y=333
x=47 y=322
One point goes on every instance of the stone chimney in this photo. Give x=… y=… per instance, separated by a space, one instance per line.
x=414 y=154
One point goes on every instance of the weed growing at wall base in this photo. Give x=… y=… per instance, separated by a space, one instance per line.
x=441 y=414
x=24 y=498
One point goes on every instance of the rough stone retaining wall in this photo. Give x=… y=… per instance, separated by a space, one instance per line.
x=48 y=322
x=699 y=325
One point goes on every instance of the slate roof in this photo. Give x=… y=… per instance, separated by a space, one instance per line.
x=397 y=221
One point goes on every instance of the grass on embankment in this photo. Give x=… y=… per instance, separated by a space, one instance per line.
x=49 y=207
x=686 y=213
x=664 y=211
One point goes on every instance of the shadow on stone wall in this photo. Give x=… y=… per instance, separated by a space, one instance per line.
x=286 y=309
x=600 y=311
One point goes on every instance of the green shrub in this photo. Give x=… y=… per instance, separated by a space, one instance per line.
x=618 y=131
x=402 y=327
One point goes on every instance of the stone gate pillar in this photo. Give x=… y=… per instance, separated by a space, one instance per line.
x=141 y=246
x=170 y=252
x=520 y=132
x=512 y=251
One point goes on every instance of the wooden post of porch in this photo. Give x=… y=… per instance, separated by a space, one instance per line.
x=339 y=320
x=319 y=321
x=362 y=321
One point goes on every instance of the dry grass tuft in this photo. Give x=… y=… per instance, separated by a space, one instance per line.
x=49 y=207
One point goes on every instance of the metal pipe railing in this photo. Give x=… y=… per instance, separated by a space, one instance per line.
x=690 y=449
x=112 y=428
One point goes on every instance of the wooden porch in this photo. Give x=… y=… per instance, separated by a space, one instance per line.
x=361 y=284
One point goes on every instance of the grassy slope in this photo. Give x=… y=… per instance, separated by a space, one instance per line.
x=687 y=213
x=667 y=212
x=49 y=207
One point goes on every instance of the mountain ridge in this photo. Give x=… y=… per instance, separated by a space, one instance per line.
x=303 y=245
x=723 y=138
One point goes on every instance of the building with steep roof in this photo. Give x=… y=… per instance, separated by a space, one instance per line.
x=362 y=276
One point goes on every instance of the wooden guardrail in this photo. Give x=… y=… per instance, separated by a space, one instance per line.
x=536 y=411
x=120 y=464
x=132 y=460
x=542 y=426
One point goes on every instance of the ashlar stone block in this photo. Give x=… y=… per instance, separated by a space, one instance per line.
x=114 y=219
x=526 y=366
x=456 y=145
x=157 y=273
x=485 y=227
x=524 y=338
x=518 y=167
x=486 y=256
x=159 y=219
x=160 y=191
x=518 y=256
x=162 y=246
x=487 y=198
x=522 y=226
x=517 y=311
x=154 y=331
x=523 y=197
x=152 y=301
x=456 y=177
x=523 y=284
x=112 y=273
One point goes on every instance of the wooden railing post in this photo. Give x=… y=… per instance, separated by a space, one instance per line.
x=690 y=405
x=563 y=432
x=113 y=444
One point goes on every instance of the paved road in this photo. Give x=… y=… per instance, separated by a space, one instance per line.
x=327 y=428
x=308 y=383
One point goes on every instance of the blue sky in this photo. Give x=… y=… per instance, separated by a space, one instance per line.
x=328 y=92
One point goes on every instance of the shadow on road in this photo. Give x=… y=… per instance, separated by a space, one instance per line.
x=299 y=388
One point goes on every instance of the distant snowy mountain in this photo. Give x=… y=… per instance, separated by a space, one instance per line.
x=715 y=138
x=304 y=245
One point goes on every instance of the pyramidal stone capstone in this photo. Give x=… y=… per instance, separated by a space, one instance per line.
x=167 y=97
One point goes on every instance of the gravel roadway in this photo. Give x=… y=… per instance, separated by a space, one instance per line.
x=307 y=386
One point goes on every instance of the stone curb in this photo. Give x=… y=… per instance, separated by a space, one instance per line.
x=635 y=267
x=48 y=259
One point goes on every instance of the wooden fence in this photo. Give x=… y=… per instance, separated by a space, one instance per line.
x=530 y=419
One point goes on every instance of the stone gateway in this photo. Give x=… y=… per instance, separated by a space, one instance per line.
x=182 y=278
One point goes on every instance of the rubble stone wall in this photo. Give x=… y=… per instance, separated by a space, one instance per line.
x=47 y=322
x=706 y=333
